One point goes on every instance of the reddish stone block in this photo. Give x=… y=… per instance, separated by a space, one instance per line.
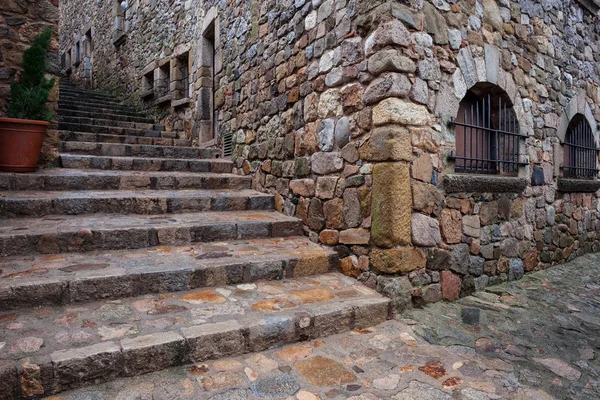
x=450 y=286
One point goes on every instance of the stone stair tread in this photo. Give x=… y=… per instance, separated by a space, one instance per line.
x=89 y=179
x=219 y=165
x=102 y=340
x=69 y=278
x=121 y=149
x=102 y=222
x=43 y=203
x=159 y=140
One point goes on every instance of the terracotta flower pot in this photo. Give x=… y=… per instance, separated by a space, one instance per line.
x=20 y=144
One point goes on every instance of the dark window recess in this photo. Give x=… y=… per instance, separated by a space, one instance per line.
x=488 y=137
x=227 y=144
x=63 y=60
x=581 y=153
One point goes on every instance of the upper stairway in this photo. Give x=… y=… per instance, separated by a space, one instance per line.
x=143 y=252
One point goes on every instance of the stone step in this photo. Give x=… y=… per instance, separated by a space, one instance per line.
x=136 y=150
x=80 y=277
x=68 y=347
x=145 y=164
x=91 y=100
x=70 y=136
x=83 y=233
x=107 y=122
x=100 y=113
x=77 y=179
x=74 y=91
x=110 y=129
x=39 y=204
x=98 y=110
x=113 y=117
x=92 y=106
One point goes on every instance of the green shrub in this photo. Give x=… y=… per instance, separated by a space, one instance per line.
x=29 y=98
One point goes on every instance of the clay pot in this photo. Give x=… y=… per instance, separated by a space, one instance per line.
x=20 y=144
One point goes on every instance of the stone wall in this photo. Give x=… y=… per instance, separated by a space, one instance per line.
x=20 y=22
x=341 y=109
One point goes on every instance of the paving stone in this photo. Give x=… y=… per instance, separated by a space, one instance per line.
x=273 y=387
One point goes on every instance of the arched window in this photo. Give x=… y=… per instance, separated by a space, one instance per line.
x=581 y=153
x=488 y=138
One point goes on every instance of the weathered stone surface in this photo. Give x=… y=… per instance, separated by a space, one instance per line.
x=450 y=286
x=425 y=231
x=390 y=61
x=391 y=205
x=399 y=260
x=303 y=187
x=326 y=163
x=321 y=371
x=399 y=289
x=426 y=198
x=397 y=111
x=471 y=225
x=386 y=85
x=451 y=226
x=389 y=33
x=387 y=144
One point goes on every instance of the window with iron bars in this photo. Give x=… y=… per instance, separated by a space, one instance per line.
x=580 y=152
x=488 y=136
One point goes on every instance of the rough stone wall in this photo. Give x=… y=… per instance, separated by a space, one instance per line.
x=355 y=139
x=20 y=22
x=340 y=108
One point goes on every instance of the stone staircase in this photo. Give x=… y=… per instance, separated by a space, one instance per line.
x=143 y=253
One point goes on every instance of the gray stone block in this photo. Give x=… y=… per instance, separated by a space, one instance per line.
x=211 y=341
x=154 y=352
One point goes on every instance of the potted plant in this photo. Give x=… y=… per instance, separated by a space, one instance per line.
x=22 y=133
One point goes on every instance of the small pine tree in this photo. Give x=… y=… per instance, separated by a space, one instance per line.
x=29 y=97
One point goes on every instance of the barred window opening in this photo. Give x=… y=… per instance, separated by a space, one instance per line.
x=488 y=136
x=581 y=153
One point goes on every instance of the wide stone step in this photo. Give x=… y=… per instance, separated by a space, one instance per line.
x=77 y=179
x=83 y=233
x=79 y=277
x=73 y=91
x=113 y=116
x=39 y=204
x=71 y=347
x=107 y=122
x=136 y=150
x=149 y=131
x=70 y=136
x=94 y=105
x=145 y=164
x=91 y=100
x=100 y=113
x=94 y=109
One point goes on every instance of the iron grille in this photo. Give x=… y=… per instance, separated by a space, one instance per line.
x=228 y=144
x=581 y=152
x=488 y=138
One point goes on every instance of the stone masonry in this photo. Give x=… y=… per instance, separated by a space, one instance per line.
x=20 y=22
x=341 y=110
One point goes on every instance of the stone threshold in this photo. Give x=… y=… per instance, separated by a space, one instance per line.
x=567 y=185
x=107 y=340
x=74 y=278
x=471 y=183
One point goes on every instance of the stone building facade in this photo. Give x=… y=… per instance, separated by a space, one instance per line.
x=20 y=22
x=348 y=111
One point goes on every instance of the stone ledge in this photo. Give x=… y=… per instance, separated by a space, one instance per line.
x=162 y=100
x=578 y=185
x=484 y=184
x=119 y=38
x=180 y=102
x=147 y=93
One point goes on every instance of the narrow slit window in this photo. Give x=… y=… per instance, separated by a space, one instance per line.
x=164 y=80
x=580 y=152
x=488 y=136
x=182 y=69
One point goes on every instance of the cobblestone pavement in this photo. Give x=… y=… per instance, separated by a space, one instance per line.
x=530 y=339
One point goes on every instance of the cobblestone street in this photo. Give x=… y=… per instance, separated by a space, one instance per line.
x=535 y=338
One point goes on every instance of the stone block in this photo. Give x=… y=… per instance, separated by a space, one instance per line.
x=355 y=236
x=471 y=225
x=370 y=312
x=331 y=319
x=451 y=286
x=8 y=380
x=425 y=231
x=398 y=289
x=399 y=260
x=451 y=226
x=216 y=340
x=391 y=207
x=97 y=363
x=155 y=352
x=271 y=330
x=326 y=163
x=397 y=111
x=387 y=144
x=389 y=33
x=390 y=61
x=303 y=187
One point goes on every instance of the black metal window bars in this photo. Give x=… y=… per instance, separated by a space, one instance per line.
x=581 y=153
x=487 y=143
